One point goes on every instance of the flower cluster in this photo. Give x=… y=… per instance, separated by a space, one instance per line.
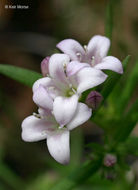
x=65 y=76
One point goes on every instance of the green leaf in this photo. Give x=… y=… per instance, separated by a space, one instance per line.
x=79 y=175
x=109 y=20
x=24 y=76
x=113 y=79
x=96 y=147
x=42 y=182
x=128 y=89
x=109 y=85
x=127 y=124
x=76 y=145
x=131 y=145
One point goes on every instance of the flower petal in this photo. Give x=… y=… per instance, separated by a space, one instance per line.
x=57 y=66
x=98 y=45
x=34 y=129
x=57 y=63
x=88 y=78
x=72 y=48
x=45 y=66
x=42 y=98
x=46 y=81
x=110 y=63
x=64 y=109
x=58 y=146
x=75 y=66
x=83 y=113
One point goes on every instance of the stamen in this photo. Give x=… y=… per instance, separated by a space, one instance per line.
x=85 y=48
x=79 y=55
x=73 y=90
x=37 y=115
x=65 y=67
x=51 y=88
x=93 y=57
x=61 y=126
x=43 y=133
x=70 y=85
x=92 y=61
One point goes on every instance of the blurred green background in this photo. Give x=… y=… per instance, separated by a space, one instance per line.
x=26 y=37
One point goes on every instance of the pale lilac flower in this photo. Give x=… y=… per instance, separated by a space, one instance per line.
x=53 y=122
x=94 y=54
x=64 y=83
x=45 y=66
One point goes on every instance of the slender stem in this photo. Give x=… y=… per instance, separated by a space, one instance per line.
x=79 y=175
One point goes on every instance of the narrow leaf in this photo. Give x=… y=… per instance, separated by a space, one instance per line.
x=109 y=20
x=79 y=175
x=76 y=145
x=128 y=89
x=113 y=79
x=127 y=124
x=109 y=84
x=132 y=145
x=24 y=76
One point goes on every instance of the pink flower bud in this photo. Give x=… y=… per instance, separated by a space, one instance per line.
x=45 y=66
x=110 y=160
x=94 y=99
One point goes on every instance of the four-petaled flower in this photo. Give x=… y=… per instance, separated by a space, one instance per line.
x=53 y=122
x=63 y=83
x=94 y=54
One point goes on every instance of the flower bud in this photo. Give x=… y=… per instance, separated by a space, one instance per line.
x=94 y=99
x=110 y=160
x=45 y=66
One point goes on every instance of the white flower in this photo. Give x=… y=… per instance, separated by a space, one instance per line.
x=53 y=122
x=64 y=83
x=94 y=54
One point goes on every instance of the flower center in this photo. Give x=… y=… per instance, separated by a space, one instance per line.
x=37 y=115
x=92 y=61
x=79 y=55
x=71 y=91
x=85 y=57
x=65 y=67
x=61 y=126
x=86 y=49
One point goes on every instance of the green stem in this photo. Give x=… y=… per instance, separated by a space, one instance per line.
x=79 y=175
